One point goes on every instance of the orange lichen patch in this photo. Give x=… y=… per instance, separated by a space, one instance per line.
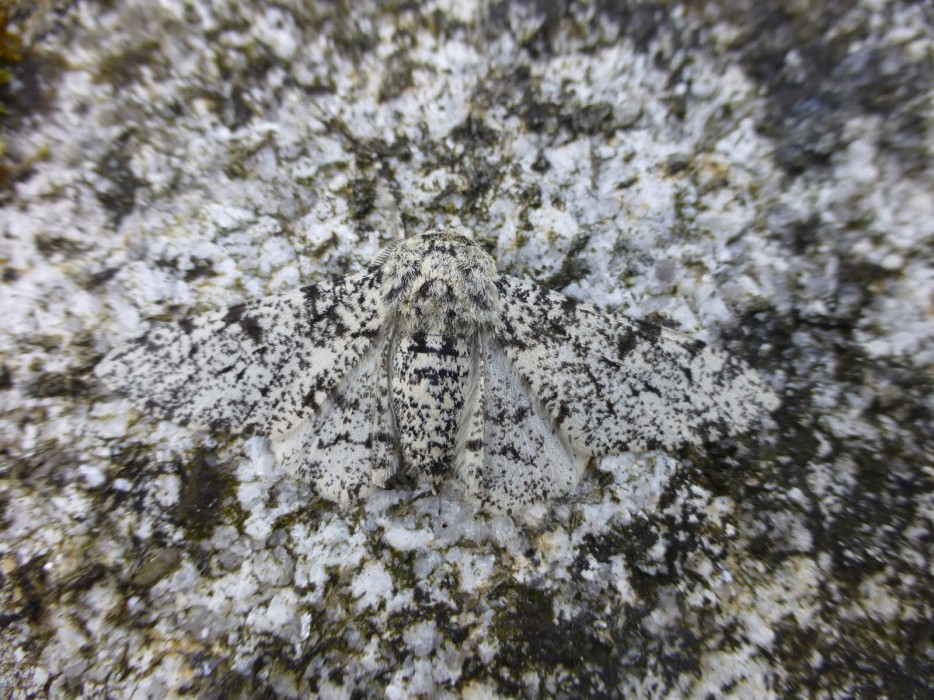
x=11 y=47
x=11 y=44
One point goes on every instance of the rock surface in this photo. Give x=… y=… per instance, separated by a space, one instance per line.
x=755 y=174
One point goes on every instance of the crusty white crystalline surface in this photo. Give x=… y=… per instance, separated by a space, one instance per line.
x=431 y=359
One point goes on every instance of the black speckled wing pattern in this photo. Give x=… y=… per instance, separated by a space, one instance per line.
x=612 y=384
x=347 y=447
x=509 y=455
x=429 y=360
x=262 y=367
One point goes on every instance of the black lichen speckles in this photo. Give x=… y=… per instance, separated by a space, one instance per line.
x=843 y=72
x=573 y=267
x=30 y=581
x=117 y=191
x=204 y=488
x=50 y=384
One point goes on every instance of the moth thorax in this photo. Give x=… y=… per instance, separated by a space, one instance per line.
x=441 y=282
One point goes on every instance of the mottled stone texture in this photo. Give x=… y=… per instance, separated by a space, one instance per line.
x=757 y=175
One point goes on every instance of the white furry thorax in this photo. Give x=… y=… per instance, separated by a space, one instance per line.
x=440 y=282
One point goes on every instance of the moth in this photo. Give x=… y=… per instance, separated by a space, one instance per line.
x=431 y=360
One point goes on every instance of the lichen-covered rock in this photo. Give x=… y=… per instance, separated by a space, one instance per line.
x=758 y=176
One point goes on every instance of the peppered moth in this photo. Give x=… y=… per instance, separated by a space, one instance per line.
x=430 y=360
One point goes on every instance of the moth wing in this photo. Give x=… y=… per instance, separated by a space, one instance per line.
x=612 y=384
x=508 y=454
x=262 y=367
x=348 y=447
